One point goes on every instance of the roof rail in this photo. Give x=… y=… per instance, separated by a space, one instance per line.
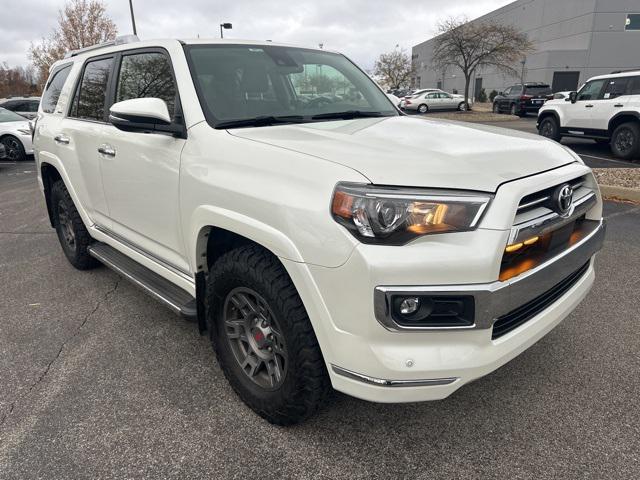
x=122 y=39
x=624 y=71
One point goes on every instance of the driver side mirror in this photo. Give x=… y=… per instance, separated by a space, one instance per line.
x=144 y=115
x=573 y=97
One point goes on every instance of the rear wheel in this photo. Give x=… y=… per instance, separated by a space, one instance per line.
x=72 y=234
x=549 y=128
x=14 y=148
x=423 y=108
x=625 y=141
x=263 y=338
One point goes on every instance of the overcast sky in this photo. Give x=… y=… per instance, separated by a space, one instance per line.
x=362 y=29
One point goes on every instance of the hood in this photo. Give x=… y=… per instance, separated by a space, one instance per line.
x=6 y=126
x=406 y=151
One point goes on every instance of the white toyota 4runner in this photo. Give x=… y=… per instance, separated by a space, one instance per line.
x=606 y=109
x=276 y=196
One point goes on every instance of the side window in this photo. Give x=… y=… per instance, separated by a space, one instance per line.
x=634 y=86
x=11 y=105
x=432 y=95
x=92 y=91
x=146 y=75
x=591 y=90
x=53 y=89
x=507 y=92
x=615 y=87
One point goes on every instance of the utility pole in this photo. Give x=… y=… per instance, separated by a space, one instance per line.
x=133 y=18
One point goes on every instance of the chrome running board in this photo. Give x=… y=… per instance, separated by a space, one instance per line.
x=178 y=300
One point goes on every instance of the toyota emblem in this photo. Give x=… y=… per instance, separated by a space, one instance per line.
x=563 y=199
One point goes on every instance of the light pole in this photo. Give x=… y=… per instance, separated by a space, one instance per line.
x=225 y=26
x=523 y=62
x=133 y=18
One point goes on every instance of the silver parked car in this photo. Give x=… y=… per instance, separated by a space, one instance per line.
x=26 y=107
x=437 y=100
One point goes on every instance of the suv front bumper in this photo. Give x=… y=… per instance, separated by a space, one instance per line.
x=376 y=361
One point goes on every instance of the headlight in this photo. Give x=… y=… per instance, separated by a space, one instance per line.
x=394 y=216
x=24 y=131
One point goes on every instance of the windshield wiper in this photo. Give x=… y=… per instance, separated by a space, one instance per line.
x=348 y=115
x=262 y=121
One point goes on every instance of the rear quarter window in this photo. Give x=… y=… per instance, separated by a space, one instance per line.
x=53 y=89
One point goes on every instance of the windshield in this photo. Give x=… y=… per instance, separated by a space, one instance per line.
x=250 y=85
x=9 y=116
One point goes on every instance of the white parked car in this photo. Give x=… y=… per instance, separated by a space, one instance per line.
x=24 y=106
x=327 y=243
x=606 y=109
x=15 y=135
x=435 y=100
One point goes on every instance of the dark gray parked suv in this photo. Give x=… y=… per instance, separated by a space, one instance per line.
x=520 y=100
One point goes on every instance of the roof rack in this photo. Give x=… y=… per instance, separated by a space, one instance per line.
x=121 y=40
x=624 y=71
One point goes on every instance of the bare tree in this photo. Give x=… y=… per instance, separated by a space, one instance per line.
x=81 y=23
x=394 y=68
x=473 y=45
x=16 y=81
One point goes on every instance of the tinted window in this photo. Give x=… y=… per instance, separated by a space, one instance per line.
x=634 y=86
x=10 y=105
x=633 y=22
x=615 y=87
x=53 y=89
x=147 y=75
x=92 y=90
x=591 y=90
x=539 y=90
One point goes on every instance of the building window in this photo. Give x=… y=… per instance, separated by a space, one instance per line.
x=633 y=22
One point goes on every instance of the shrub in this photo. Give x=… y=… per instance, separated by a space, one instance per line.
x=482 y=96
x=493 y=95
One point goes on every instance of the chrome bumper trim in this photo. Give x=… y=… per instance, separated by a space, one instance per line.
x=430 y=382
x=492 y=300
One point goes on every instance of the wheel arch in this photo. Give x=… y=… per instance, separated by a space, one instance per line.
x=548 y=113
x=213 y=240
x=622 y=117
x=49 y=175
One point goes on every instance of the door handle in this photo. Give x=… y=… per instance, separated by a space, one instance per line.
x=107 y=150
x=588 y=106
x=618 y=105
x=61 y=139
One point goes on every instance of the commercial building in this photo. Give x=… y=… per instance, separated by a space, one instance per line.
x=573 y=39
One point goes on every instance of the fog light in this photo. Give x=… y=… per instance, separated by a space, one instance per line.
x=409 y=305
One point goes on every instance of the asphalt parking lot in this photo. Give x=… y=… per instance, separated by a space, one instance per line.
x=99 y=381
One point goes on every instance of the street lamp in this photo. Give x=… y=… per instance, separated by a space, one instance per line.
x=226 y=26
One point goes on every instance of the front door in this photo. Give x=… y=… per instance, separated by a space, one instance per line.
x=141 y=171
x=578 y=115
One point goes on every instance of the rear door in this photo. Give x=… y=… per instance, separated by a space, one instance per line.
x=141 y=173
x=79 y=133
x=615 y=97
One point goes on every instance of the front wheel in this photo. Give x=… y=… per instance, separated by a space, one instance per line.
x=263 y=338
x=496 y=108
x=14 y=148
x=625 y=141
x=423 y=108
x=549 y=128
x=514 y=109
x=462 y=106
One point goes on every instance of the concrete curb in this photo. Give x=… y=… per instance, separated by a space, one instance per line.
x=620 y=193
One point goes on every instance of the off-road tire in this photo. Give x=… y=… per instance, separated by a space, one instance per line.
x=549 y=128
x=632 y=131
x=76 y=253
x=306 y=383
